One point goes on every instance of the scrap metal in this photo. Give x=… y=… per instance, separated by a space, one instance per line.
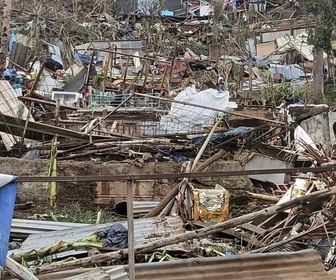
x=138 y=177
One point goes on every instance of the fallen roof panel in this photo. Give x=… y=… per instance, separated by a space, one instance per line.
x=27 y=227
x=145 y=230
x=300 y=265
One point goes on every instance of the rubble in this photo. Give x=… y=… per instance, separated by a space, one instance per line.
x=208 y=103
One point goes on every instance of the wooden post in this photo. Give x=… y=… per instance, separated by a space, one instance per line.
x=87 y=80
x=318 y=96
x=147 y=66
x=57 y=110
x=205 y=144
x=326 y=133
x=172 y=69
x=37 y=79
x=53 y=172
x=130 y=231
x=249 y=95
x=163 y=78
x=125 y=74
x=19 y=270
x=31 y=105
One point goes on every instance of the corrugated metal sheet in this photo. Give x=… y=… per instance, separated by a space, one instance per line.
x=123 y=46
x=47 y=84
x=115 y=273
x=299 y=43
x=139 y=207
x=96 y=274
x=19 y=54
x=297 y=32
x=259 y=161
x=271 y=36
x=145 y=230
x=118 y=273
x=77 y=82
x=301 y=265
x=11 y=106
x=27 y=227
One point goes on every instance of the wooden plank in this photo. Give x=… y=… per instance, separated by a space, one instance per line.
x=265 y=49
x=254 y=229
x=39 y=131
x=45 y=102
x=20 y=271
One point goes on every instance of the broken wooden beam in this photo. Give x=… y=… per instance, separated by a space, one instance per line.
x=269 y=211
x=265 y=197
x=39 y=131
x=48 y=103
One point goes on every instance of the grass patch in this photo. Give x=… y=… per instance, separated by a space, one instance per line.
x=76 y=214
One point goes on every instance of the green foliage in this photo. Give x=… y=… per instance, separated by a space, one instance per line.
x=20 y=111
x=76 y=214
x=98 y=80
x=195 y=46
x=330 y=95
x=324 y=14
x=275 y=93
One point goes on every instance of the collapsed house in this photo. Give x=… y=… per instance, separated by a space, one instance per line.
x=215 y=157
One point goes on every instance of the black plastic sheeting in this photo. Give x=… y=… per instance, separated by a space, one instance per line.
x=217 y=138
x=115 y=237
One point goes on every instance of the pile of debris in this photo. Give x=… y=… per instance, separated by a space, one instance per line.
x=170 y=85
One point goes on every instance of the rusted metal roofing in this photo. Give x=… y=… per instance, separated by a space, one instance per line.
x=300 y=265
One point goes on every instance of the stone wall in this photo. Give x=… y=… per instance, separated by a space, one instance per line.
x=86 y=193
x=313 y=127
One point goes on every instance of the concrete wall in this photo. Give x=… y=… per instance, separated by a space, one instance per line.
x=86 y=193
x=313 y=127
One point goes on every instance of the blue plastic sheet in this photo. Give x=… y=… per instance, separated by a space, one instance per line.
x=12 y=39
x=7 y=202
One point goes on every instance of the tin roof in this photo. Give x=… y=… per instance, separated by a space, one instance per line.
x=300 y=265
x=145 y=230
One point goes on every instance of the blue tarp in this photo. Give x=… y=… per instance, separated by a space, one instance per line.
x=166 y=13
x=12 y=39
x=8 y=187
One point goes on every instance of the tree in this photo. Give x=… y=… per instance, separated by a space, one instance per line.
x=7 y=12
x=324 y=14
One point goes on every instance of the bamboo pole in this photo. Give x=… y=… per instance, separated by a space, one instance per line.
x=53 y=172
x=174 y=192
x=205 y=144
x=31 y=105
